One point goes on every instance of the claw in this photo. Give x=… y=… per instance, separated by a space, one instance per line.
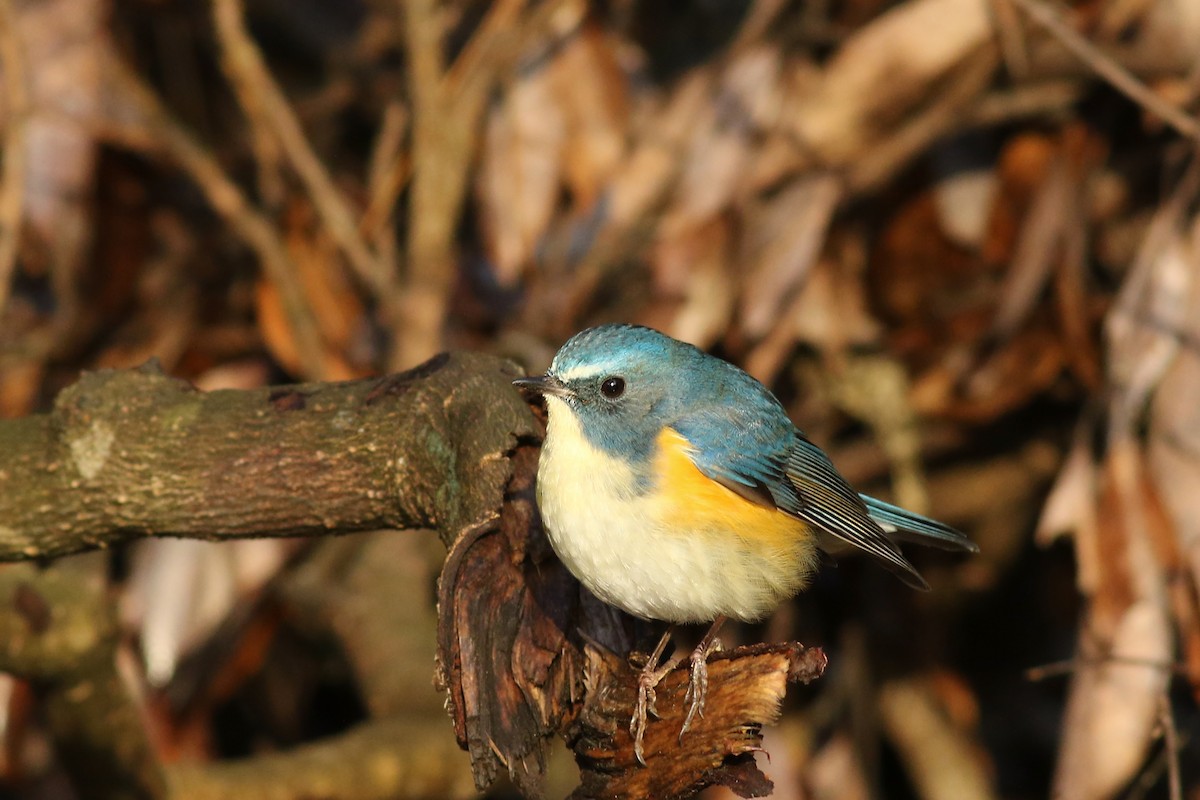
x=652 y=674
x=697 y=691
x=649 y=678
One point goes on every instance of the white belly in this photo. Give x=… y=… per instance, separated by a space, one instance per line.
x=616 y=543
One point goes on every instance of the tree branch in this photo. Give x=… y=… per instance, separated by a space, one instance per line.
x=375 y=761
x=135 y=453
x=524 y=653
x=57 y=632
x=745 y=689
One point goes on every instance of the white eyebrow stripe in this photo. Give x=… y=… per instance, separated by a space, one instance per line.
x=582 y=372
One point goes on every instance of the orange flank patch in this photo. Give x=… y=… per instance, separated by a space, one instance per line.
x=692 y=503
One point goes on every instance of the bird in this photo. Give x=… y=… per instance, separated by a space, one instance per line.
x=674 y=486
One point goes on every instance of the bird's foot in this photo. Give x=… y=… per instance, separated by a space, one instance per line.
x=648 y=679
x=697 y=691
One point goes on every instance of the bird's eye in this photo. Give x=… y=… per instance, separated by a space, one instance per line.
x=613 y=387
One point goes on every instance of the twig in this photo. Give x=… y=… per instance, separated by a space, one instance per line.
x=1012 y=43
x=1106 y=67
x=447 y=106
x=1068 y=667
x=1171 y=743
x=12 y=181
x=229 y=202
x=1030 y=100
x=474 y=69
x=257 y=89
x=448 y=103
x=389 y=171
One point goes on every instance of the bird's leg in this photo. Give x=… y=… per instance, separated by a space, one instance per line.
x=648 y=679
x=698 y=685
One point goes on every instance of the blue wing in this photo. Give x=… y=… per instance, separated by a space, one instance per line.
x=755 y=450
x=826 y=501
x=744 y=451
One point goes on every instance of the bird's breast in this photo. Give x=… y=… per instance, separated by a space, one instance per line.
x=661 y=540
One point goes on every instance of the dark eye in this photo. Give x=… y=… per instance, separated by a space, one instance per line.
x=613 y=387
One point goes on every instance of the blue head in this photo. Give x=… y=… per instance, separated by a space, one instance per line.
x=625 y=383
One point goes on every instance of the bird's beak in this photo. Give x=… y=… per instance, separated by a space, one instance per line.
x=544 y=384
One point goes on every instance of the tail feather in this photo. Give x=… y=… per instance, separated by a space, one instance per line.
x=909 y=527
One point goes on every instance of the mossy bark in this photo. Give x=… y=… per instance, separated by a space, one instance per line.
x=135 y=453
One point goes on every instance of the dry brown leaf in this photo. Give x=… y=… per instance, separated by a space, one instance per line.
x=780 y=153
x=334 y=303
x=1153 y=304
x=655 y=161
x=830 y=312
x=590 y=88
x=1174 y=450
x=964 y=203
x=66 y=45
x=517 y=183
x=956 y=697
x=10 y=728
x=1027 y=365
x=20 y=382
x=336 y=307
x=835 y=772
x=1020 y=170
x=1111 y=709
x=781 y=243
x=1076 y=306
x=722 y=138
x=1051 y=242
x=937 y=755
x=1037 y=247
x=1125 y=642
x=885 y=69
x=925 y=285
x=695 y=267
x=1070 y=509
x=873 y=389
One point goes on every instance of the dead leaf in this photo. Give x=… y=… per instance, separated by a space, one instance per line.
x=66 y=45
x=1027 y=365
x=695 y=267
x=590 y=88
x=1070 y=508
x=885 y=69
x=656 y=158
x=721 y=138
x=336 y=307
x=1037 y=249
x=517 y=183
x=937 y=755
x=1125 y=645
x=781 y=243
x=835 y=771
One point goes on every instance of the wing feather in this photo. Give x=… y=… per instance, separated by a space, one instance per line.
x=753 y=449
